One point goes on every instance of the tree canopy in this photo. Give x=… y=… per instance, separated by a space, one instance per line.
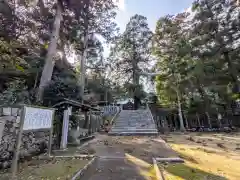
x=37 y=39
x=131 y=54
x=195 y=55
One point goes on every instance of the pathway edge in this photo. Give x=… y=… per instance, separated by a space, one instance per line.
x=81 y=171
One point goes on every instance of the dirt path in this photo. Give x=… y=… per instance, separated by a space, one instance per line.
x=142 y=147
x=112 y=162
x=112 y=169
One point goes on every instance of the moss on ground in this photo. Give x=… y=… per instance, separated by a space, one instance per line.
x=54 y=170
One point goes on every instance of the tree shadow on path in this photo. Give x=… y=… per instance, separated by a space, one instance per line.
x=189 y=173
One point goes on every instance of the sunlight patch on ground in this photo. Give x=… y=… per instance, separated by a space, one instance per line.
x=220 y=138
x=202 y=163
x=145 y=169
x=135 y=141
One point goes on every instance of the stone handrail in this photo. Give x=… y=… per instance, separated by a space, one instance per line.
x=114 y=117
x=150 y=112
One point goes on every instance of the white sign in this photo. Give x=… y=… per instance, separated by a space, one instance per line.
x=37 y=118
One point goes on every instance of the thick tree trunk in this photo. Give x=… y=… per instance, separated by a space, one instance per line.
x=35 y=81
x=136 y=84
x=232 y=71
x=175 y=121
x=207 y=103
x=86 y=120
x=84 y=53
x=198 y=119
x=170 y=121
x=234 y=75
x=83 y=66
x=90 y=124
x=182 y=128
x=186 y=120
x=49 y=62
x=209 y=120
x=136 y=75
x=219 y=120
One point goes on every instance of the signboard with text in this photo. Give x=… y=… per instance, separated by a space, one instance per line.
x=33 y=118
x=37 y=118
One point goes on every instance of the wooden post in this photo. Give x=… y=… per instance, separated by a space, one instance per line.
x=97 y=123
x=65 y=129
x=14 y=166
x=50 y=137
x=89 y=123
x=92 y=123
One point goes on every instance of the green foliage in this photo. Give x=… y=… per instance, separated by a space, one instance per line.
x=24 y=38
x=198 y=56
x=16 y=92
x=131 y=55
x=10 y=58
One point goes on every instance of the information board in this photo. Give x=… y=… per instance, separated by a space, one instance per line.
x=33 y=118
x=37 y=118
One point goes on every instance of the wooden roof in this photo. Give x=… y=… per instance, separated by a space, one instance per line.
x=74 y=103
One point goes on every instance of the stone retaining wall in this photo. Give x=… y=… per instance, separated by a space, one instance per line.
x=33 y=143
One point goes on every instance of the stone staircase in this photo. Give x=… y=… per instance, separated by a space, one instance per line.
x=134 y=122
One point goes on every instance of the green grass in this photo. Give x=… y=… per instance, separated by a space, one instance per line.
x=203 y=163
x=54 y=170
x=182 y=171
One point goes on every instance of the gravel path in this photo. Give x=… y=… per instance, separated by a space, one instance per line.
x=112 y=164
x=112 y=169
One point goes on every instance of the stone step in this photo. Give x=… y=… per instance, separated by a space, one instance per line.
x=146 y=126
x=132 y=133
x=137 y=127
x=139 y=131
x=133 y=129
x=134 y=122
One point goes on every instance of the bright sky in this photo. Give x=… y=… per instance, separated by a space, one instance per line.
x=152 y=9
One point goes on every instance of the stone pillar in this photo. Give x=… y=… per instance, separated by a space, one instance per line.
x=98 y=123
x=89 y=124
x=2 y=125
x=64 y=139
